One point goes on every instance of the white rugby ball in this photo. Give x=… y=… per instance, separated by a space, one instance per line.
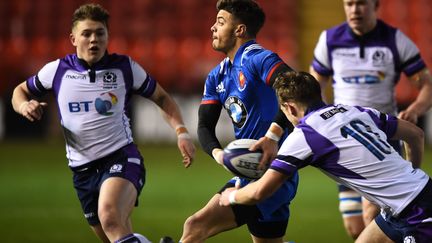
x=240 y=161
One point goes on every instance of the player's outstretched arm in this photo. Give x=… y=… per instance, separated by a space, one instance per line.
x=172 y=115
x=413 y=136
x=254 y=192
x=23 y=105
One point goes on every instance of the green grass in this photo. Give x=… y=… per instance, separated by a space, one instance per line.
x=38 y=202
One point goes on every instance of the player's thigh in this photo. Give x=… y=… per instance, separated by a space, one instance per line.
x=370 y=211
x=117 y=194
x=373 y=234
x=213 y=217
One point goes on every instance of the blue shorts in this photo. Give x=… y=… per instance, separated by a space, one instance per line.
x=414 y=223
x=126 y=163
x=269 y=218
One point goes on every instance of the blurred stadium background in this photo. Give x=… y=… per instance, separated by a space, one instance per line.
x=171 y=40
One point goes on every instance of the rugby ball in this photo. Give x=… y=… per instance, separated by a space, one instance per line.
x=240 y=161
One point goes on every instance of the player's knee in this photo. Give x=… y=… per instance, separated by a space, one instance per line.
x=354 y=230
x=108 y=218
x=193 y=228
x=192 y=222
x=350 y=203
x=370 y=211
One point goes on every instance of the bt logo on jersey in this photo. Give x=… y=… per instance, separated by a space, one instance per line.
x=102 y=104
x=79 y=106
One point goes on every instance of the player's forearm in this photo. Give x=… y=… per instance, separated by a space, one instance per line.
x=248 y=195
x=19 y=97
x=259 y=190
x=423 y=102
x=414 y=139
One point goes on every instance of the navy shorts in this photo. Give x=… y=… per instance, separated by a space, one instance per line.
x=126 y=163
x=269 y=218
x=414 y=223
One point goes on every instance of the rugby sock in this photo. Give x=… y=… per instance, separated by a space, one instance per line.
x=131 y=238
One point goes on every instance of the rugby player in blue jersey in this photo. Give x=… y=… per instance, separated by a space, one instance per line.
x=349 y=144
x=242 y=85
x=93 y=89
x=365 y=57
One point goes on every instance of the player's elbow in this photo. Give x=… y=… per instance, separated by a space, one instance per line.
x=417 y=135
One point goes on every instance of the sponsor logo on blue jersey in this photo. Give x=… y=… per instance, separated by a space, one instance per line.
x=236 y=110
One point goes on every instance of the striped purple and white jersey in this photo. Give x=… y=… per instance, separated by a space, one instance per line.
x=349 y=144
x=93 y=102
x=366 y=68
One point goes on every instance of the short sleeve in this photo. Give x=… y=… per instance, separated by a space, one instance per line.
x=143 y=84
x=42 y=82
x=321 y=62
x=409 y=54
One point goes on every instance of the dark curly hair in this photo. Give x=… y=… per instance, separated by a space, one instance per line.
x=247 y=12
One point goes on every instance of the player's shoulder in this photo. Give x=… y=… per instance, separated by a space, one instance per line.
x=385 y=29
x=337 y=30
x=50 y=67
x=219 y=69
x=118 y=58
x=254 y=51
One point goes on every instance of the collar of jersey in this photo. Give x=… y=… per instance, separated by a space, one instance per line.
x=239 y=54
x=314 y=107
x=84 y=65
x=369 y=35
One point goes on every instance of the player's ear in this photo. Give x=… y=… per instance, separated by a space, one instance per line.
x=241 y=30
x=72 y=39
x=292 y=109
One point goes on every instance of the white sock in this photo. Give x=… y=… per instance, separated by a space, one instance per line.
x=142 y=238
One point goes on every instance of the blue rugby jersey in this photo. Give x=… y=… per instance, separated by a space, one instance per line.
x=366 y=68
x=93 y=102
x=243 y=88
x=244 y=91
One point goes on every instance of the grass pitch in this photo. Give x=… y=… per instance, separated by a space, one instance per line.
x=38 y=202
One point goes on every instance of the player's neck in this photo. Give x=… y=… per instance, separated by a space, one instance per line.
x=233 y=51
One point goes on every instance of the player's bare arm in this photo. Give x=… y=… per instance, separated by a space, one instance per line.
x=172 y=115
x=423 y=81
x=29 y=108
x=413 y=136
x=323 y=81
x=254 y=192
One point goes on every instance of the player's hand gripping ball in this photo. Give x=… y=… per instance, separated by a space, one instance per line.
x=240 y=161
